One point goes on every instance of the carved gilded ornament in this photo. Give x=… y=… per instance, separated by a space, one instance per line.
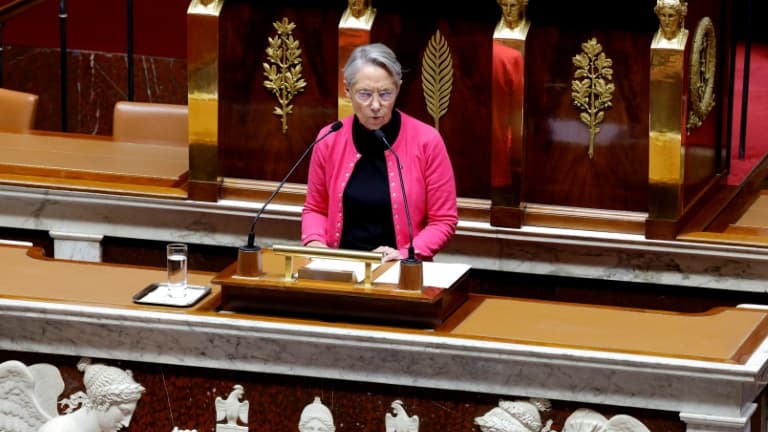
x=283 y=71
x=702 y=73
x=437 y=77
x=592 y=90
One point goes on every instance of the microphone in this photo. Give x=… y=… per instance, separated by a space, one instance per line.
x=410 y=268
x=252 y=233
x=250 y=247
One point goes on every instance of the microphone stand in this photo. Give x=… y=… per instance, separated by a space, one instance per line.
x=249 y=256
x=411 y=268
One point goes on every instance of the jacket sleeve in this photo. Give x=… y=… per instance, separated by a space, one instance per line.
x=441 y=211
x=314 y=215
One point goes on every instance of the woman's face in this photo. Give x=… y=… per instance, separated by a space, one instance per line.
x=373 y=94
x=116 y=417
x=669 y=20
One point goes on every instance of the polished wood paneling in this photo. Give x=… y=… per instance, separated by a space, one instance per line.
x=252 y=145
x=77 y=162
x=251 y=142
x=557 y=168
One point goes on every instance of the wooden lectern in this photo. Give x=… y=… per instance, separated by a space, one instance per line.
x=285 y=287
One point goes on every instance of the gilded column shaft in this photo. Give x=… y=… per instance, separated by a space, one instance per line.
x=666 y=137
x=203 y=97
x=507 y=102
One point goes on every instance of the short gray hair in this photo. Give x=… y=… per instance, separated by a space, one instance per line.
x=376 y=54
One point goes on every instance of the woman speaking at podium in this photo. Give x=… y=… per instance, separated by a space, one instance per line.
x=354 y=198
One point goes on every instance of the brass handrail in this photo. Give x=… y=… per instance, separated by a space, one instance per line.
x=367 y=258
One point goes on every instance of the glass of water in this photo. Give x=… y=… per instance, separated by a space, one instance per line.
x=176 y=254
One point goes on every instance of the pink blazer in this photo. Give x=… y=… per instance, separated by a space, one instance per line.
x=429 y=183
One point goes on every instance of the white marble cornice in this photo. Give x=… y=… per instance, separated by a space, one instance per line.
x=382 y=355
x=535 y=250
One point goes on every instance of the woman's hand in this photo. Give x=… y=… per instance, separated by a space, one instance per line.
x=390 y=254
x=316 y=243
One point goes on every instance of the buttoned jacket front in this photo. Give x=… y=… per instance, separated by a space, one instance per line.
x=427 y=174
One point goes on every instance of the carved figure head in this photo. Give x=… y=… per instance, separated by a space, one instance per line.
x=584 y=420
x=358 y=8
x=515 y=416
x=513 y=12
x=316 y=417
x=671 y=14
x=112 y=394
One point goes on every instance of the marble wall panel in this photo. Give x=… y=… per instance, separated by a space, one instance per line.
x=95 y=82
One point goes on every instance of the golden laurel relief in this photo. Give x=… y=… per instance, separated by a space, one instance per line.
x=702 y=73
x=592 y=90
x=437 y=77
x=283 y=71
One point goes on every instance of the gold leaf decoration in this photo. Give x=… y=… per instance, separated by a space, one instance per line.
x=437 y=77
x=702 y=73
x=591 y=89
x=283 y=71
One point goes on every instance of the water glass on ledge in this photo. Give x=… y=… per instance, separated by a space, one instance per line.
x=176 y=254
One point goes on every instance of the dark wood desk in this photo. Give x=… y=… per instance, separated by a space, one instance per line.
x=84 y=163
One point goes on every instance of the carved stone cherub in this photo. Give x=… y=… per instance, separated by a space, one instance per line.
x=28 y=395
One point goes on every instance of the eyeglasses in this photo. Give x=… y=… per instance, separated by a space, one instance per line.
x=365 y=96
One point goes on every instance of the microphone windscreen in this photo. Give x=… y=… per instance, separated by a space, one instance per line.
x=379 y=134
x=336 y=126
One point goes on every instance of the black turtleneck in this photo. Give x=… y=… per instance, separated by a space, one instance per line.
x=367 y=205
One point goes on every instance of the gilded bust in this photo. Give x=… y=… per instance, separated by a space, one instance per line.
x=672 y=32
x=359 y=14
x=513 y=23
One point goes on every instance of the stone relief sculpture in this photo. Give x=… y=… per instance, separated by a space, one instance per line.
x=587 y=420
x=516 y=416
x=110 y=398
x=231 y=410
x=398 y=420
x=28 y=395
x=316 y=417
